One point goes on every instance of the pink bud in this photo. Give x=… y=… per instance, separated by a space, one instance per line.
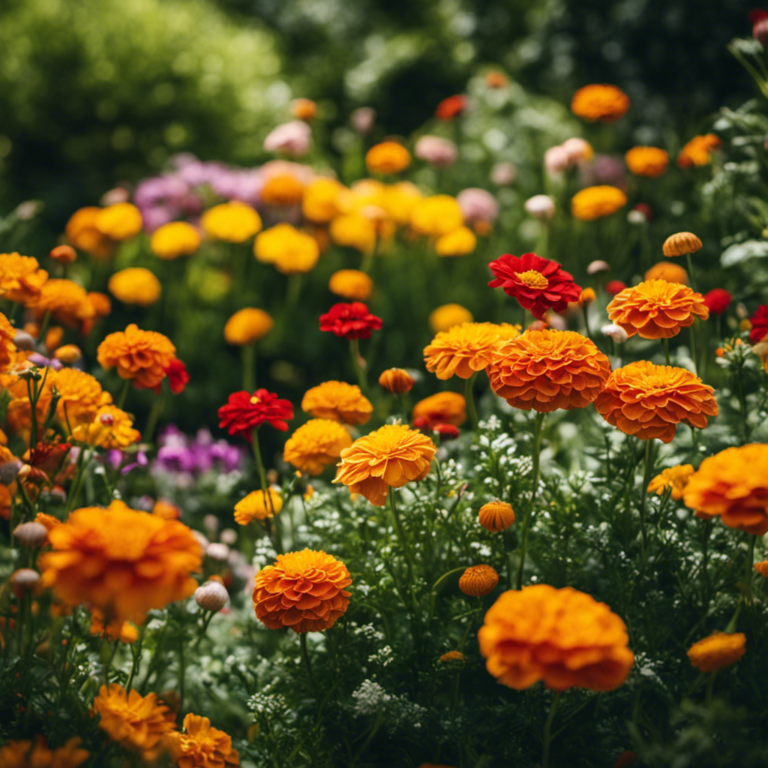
x=436 y=151
x=540 y=206
x=616 y=332
x=598 y=266
x=556 y=160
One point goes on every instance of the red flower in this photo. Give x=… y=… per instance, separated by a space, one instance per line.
x=717 y=301
x=243 y=412
x=538 y=284
x=350 y=321
x=446 y=431
x=759 y=323
x=178 y=378
x=645 y=209
x=614 y=286
x=451 y=107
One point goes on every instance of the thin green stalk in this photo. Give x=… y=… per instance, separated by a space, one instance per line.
x=666 y=351
x=248 y=360
x=307 y=662
x=470 y=400
x=354 y=347
x=548 y=728
x=259 y=463
x=690 y=270
x=154 y=416
x=693 y=348
x=123 y=394
x=644 y=495
x=111 y=658
x=403 y=540
x=44 y=328
x=182 y=675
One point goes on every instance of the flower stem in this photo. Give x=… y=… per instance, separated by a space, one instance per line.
x=403 y=540
x=354 y=347
x=690 y=270
x=248 y=359
x=259 y=462
x=470 y=400
x=548 y=729
x=154 y=415
x=123 y=394
x=666 y=351
x=307 y=662
x=644 y=494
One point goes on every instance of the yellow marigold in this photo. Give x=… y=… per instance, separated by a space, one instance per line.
x=68 y=354
x=37 y=754
x=338 y=401
x=698 y=151
x=20 y=278
x=7 y=347
x=720 y=649
x=121 y=561
x=399 y=200
x=258 y=505
x=135 y=722
x=351 y=284
x=656 y=309
x=123 y=631
x=597 y=202
x=734 y=485
x=666 y=270
x=389 y=457
x=135 y=285
x=110 y=427
x=442 y=408
x=647 y=161
x=460 y=242
x=119 y=222
x=247 y=326
x=354 y=231
x=673 y=479
x=546 y=370
x=560 y=636
x=479 y=580
x=81 y=397
x=66 y=301
x=649 y=400
x=315 y=445
x=387 y=157
x=605 y=103
x=81 y=231
x=288 y=249
x=302 y=590
x=175 y=239
x=462 y=350
x=282 y=189
x=680 y=244
x=446 y=316
x=397 y=381
x=496 y=516
x=142 y=356
x=320 y=203
x=436 y=216
x=233 y=222
x=762 y=568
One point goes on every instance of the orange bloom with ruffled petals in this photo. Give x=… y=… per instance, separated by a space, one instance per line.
x=142 y=356
x=597 y=202
x=442 y=408
x=315 y=445
x=338 y=401
x=66 y=301
x=20 y=278
x=81 y=397
x=110 y=427
x=201 y=745
x=82 y=232
x=605 y=103
x=647 y=161
x=698 y=151
x=720 y=649
x=397 y=381
x=37 y=754
x=462 y=350
x=387 y=157
x=673 y=479
x=7 y=347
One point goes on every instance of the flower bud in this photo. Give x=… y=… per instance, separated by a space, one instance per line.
x=555 y=160
x=211 y=596
x=31 y=535
x=24 y=580
x=598 y=266
x=742 y=312
x=479 y=580
x=616 y=332
x=587 y=296
x=363 y=119
x=25 y=341
x=636 y=217
x=503 y=174
x=9 y=470
x=211 y=525
x=540 y=206
x=228 y=536
x=63 y=254
x=68 y=354
x=453 y=656
x=578 y=150
x=24 y=472
x=303 y=109
x=396 y=381
x=219 y=552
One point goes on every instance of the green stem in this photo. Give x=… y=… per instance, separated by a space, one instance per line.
x=154 y=416
x=182 y=675
x=693 y=348
x=259 y=462
x=111 y=658
x=248 y=359
x=123 y=394
x=403 y=540
x=470 y=400
x=548 y=728
x=307 y=662
x=690 y=270
x=586 y=321
x=666 y=351
x=354 y=347
x=44 y=328
x=644 y=495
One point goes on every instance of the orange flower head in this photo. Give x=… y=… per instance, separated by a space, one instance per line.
x=121 y=561
x=649 y=401
x=123 y=631
x=351 y=284
x=762 y=568
x=68 y=354
x=462 y=351
x=338 y=401
x=452 y=656
x=734 y=485
x=175 y=239
x=496 y=516
x=20 y=278
x=354 y=231
x=321 y=200
x=247 y=326
x=66 y=301
x=303 y=109
x=562 y=637
x=101 y=304
x=282 y=190
x=720 y=649
x=137 y=723
x=136 y=286
x=442 y=408
x=37 y=754
x=673 y=479
x=436 y=216
x=315 y=445
x=389 y=457
x=121 y=221
x=142 y=356
x=63 y=254
x=302 y=590
x=647 y=161
x=387 y=157
x=680 y=244
x=81 y=397
x=201 y=745
x=605 y=103
x=232 y=222
x=7 y=347
x=597 y=202
x=666 y=270
x=656 y=309
x=82 y=233
x=258 y=505
x=478 y=581
x=110 y=427
x=288 y=249
x=546 y=370
x=446 y=316
x=460 y=242
x=397 y=381
x=698 y=151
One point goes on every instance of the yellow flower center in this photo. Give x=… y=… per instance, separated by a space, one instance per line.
x=533 y=279
x=255 y=400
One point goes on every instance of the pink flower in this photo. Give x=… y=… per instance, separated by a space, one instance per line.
x=294 y=138
x=436 y=151
x=477 y=205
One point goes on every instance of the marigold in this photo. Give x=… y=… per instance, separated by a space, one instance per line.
x=734 y=485
x=605 y=103
x=81 y=231
x=546 y=370
x=680 y=244
x=720 y=649
x=282 y=190
x=354 y=231
x=351 y=284
x=399 y=200
x=201 y=745
x=762 y=568
x=478 y=581
x=81 y=396
x=63 y=254
x=389 y=457
x=446 y=658
x=321 y=198
x=7 y=347
x=244 y=412
x=289 y=250
x=446 y=316
x=175 y=239
x=121 y=561
x=462 y=351
x=118 y=222
x=649 y=400
x=673 y=479
x=597 y=202
x=387 y=157
x=247 y=326
x=67 y=302
x=316 y=444
x=496 y=516
x=142 y=356
x=647 y=161
x=436 y=216
x=460 y=242
x=338 y=401
x=233 y=222
x=698 y=151
x=37 y=754
x=258 y=505
x=20 y=278
x=442 y=408
x=303 y=109
x=560 y=636
x=397 y=381
x=135 y=722
x=656 y=309
x=666 y=270
x=350 y=321
x=101 y=304
x=109 y=427
x=135 y=285
x=302 y=590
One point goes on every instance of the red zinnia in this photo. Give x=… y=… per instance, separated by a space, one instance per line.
x=613 y=287
x=538 y=284
x=717 y=301
x=759 y=322
x=446 y=431
x=451 y=107
x=178 y=378
x=243 y=412
x=350 y=321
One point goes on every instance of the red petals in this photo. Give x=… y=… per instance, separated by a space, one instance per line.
x=350 y=321
x=244 y=412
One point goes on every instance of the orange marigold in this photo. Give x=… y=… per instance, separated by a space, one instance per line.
x=351 y=284
x=143 y=356
x=647 y=161
x=479 y=580
x=315 y=445
x=442 y=408
x=546 y=370
x=666 y=270
x=560 y=636
x=302 y=590
x=762 y=568
x=321 y=197
x=446 y=316
x=135 y=285
x=175 y=239
x=232 y=222
x=720 y=649
x=597 y=202
x=120 y=221
x=20 y=278
x=462 y=351
x=282 y=190
x=389 y=457
x=7 y=347
x=200 y=745
x=698 y=151
x=247 y=326
x=123 y=631
x=657 y=309
x=387 y=157
x=121 y=561
x=81 y=231
x=680 y=244
x=673 y=479
x=110 y=427
x=66 y=301
x=649 y=400
x=605 y=103
x=338 y=401
x=258 y=505
x=496 y=516
x=37 y=754
x=81 y=397
x=734 y=485
x=397 y=381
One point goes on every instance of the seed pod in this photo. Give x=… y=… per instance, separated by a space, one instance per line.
x=32 y=535
x=211 y=596
x=24 y=580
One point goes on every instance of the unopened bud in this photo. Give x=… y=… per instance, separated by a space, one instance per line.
x=211 y=525
x=24 y=580
x=396 y=381
x=24 y=472
x=598 y=266
x=68 y=354
x=228 y=536
x=218 y=552
x=540 y=206
x=24 y=341
x=616 y=332
x=9 y=470
x=63 y=254
x=587 y=296
x=31 y=535
x=211 y=596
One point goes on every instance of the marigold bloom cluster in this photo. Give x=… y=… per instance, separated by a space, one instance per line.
x=247 y=326
x=120 y=221
x=37 y=754
x=141 y=356
x=258 y=505
x=436 y=216
x=387 y=157
x=282 y=190
x=462 y=351
x=200 y=745
x=20 y=278
x=316 y=444
x=698 y=151
x=110 y=427
x=175 y=239
x=82 y=233
x=338 y=401
x=647 y=161
x=244 y=412
x=720 y=649
x=351 y=284
x=232 y=222
x=597 y=202
x=288 y=249
x=66 y=301
x=673 y=479
x=350 y=321
x=135 y=285
x=441 y=408
x=605 y=103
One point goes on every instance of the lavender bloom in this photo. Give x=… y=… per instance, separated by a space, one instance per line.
x=179 y=453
